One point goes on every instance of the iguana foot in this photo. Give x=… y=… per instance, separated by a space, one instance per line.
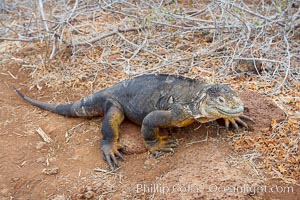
x=110 y=152
x=161 y=144
x=237 y=120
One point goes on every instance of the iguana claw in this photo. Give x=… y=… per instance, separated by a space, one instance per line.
x=248 y=118
x=162 y=144
x=109 y=155
x=158 y=152
x=234 y=121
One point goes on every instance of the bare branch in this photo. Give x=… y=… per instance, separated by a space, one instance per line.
x=21 y=39
x=89 y=42
x=288 y=62
x=41 y=9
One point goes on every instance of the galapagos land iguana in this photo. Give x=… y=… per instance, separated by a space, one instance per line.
x=154 y=102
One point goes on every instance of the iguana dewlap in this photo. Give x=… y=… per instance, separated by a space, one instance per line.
x=153 y=101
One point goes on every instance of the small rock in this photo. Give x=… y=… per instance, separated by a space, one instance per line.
x=89 y=188
x=4 y=191
x=89 y=194
x=40 y=160
x=117 y=196
x=52 y=159
x=58 y=197
x=51 y=171
x=15 y=179
x=40 y=145
x=150 y=163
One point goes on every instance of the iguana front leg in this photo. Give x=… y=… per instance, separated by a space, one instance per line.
x=161 y=119
x=113 y=117
x=235 y=120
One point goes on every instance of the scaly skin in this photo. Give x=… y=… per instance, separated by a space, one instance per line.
x=154 y=102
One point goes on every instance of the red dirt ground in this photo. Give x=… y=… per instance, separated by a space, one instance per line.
x=203 y=167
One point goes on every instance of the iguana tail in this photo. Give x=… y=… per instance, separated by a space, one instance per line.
x=87 y=107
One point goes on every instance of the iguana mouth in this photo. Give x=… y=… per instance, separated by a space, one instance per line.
x=235 y=112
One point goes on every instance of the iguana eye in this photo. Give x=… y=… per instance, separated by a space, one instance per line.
x=221 y=100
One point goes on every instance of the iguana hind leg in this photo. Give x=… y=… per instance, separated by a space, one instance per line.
x=113 y=117
x=150 y=129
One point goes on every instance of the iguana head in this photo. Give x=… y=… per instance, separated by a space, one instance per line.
x=220 y=101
